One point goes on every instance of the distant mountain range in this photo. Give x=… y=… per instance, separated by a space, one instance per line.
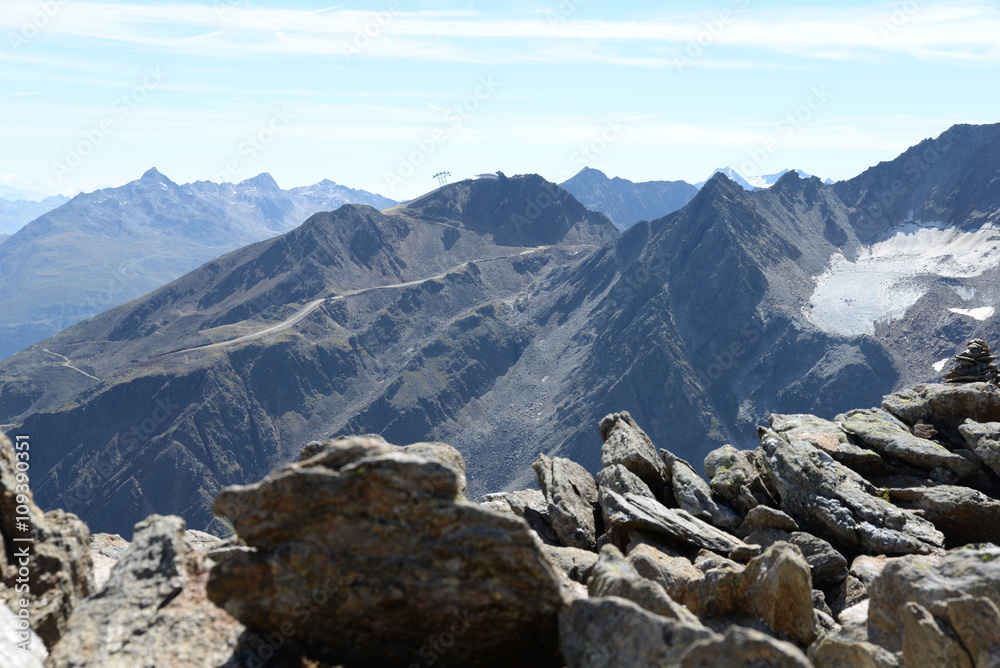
x=757 y=182
x=104 y=248
x=626 y=202
x=501 y=316
x=16 y=213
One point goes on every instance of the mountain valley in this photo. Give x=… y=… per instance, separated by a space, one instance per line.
x=500 y=315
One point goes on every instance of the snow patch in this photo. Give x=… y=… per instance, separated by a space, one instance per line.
x=980 y=314
x=939 y=366
x=892 y=275
x=966 y=292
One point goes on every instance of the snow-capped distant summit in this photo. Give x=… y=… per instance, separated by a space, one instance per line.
x=757 y=182
x=732 y=174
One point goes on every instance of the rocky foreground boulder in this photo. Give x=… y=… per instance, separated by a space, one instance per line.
x=367 y=554
x=152 y=611
x=865 y=540
x=45 y=560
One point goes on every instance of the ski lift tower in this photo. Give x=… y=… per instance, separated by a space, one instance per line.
x=442 y=178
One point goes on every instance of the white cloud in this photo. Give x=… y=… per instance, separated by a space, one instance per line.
x=953 y=31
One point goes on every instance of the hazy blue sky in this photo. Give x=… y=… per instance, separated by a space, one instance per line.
x=381 y=95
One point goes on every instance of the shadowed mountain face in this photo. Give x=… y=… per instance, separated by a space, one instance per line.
x=504 y=318
x=374 y=322
x=107 y=247
x=625 y=202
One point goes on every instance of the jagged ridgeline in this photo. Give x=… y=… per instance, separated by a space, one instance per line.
x=501 y=315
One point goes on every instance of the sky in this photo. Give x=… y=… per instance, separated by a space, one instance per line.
x=383 y=95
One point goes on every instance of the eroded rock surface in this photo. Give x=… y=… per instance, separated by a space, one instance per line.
x=380 y=548
x=153 y=610
x=47 y=552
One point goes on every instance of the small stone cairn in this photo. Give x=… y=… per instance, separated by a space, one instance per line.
x=973 y=365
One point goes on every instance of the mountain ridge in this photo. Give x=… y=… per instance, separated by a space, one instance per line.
x=697 y=323
x=104 y=248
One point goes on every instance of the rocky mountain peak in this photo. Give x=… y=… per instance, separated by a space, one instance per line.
x=523 y=210
x=153 y=175
x=949 y=180
x=263 y=182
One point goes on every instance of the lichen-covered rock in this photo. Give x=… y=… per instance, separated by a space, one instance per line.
x=620 y=480
x=736 y=477
x=765 y=517
x=571 y=494
x=831 y=439
x=376 y=547
x=776 y=588
x=631 y=511
x=577 y=564
x=674 y=574
x=626 y=444
x=885 y=434
x=613 y=575
x=48 y=552
x=836 y=651
x=976 y=620
x=963 y=515
x=830 y=500
x=744 y=648
x=153 y=610
x=928 y=641
x=694 y=495
x=984 y=440
x=969 y=571
x=828 y=567
x=615 y=633
x=945 y=407
x=529 y=504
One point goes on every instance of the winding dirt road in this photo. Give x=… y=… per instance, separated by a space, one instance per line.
x=307 y=310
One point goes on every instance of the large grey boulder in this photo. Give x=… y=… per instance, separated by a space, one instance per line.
x=984 y=440
x=735 y=477
x=885 y=434
x=631 y=511
x=615 y=633
x=55 y=565
x=390 y=561
x=620 y=480
x=626 y=444
x=577 y=564
x=529 y=504
x=830 y=500
x=775 y=588
x=945 y=406
x=976 y=620
x=693 y=494
x=571 y=494
x=964 y=515
x=929 y=641
x=613 y=575
x=969 y=571
x=744 y=648
x=675 y=574
x=838 y=651
x=828 y=567
x=762 y=518
x=828 y=436
x=152 y=611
